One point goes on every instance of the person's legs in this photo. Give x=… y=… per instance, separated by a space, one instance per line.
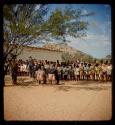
x=39 y=81
x=22 y=73
x=65 y=77
x=30 y=73
x=105 y=77
x=57 y=78
x=14 y=78
x=75 y=77
x=50 y=78
x=33 y=74
x=78 y=77
x=44 y=79
x=110 y=76
x=81 y=75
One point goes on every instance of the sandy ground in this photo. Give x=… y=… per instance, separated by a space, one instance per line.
x=69 y=101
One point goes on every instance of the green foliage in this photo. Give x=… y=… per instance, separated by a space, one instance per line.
x=23 y=24
x=108 y=56
x=66 y=22
x=83 y=57
x=79 y=55
x=66 y=57
x=25 y=20
x=22 y=20
x=88 y=59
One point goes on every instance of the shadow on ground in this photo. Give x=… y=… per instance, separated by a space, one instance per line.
x=86 y=85
x=94 y=88
x=64 y=86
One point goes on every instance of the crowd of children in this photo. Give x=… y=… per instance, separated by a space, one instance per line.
x=45 y=71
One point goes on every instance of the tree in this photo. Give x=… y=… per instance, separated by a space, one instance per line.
x=24 y=23
x=66 y=57
x=82 y=56
x=67 y=22
x=108 y=56
x=88 y=58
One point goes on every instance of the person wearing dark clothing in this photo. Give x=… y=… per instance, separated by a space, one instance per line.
x=35 y=68
x=31 y=68
x=56 y=76
x=51 y=74
x=14 y=71
x=59 y=70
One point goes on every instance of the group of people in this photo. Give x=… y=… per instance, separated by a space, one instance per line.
x=44 y=71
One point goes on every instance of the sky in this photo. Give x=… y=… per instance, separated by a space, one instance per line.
x=98 y=40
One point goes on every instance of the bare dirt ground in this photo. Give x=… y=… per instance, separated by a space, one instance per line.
x=73 y=100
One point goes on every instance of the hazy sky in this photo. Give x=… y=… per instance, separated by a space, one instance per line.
x=98 y=40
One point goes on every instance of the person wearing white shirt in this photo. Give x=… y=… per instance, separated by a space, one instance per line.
x=77 y=73
x=109 y=72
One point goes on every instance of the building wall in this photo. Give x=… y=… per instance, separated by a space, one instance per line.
x=40 y=54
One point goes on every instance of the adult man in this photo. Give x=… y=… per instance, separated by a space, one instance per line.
x=14 y=71
x=31 y=67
